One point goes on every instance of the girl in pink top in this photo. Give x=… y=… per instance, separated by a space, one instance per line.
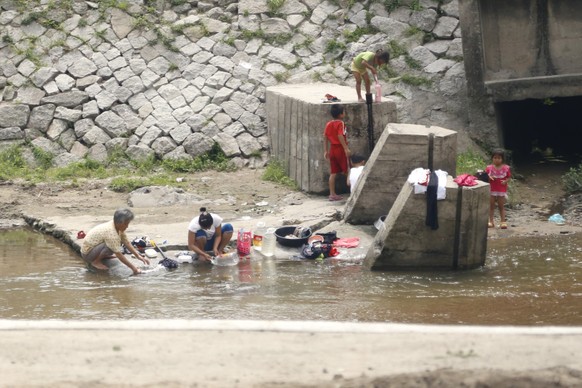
x=499 y=175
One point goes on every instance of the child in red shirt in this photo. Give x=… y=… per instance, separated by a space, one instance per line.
x=335 y=148
x=499 y=175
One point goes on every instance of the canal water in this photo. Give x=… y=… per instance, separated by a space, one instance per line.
x=526 y=281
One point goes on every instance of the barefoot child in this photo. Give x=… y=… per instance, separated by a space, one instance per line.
x=104 y=242
x=367 y=61
x=499 y=175
x=335 y=148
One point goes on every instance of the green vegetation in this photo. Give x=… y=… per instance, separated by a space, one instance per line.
x=334 y=45
x=249 y=35
x=282 y=77
x=469 y=162
x=412 y=30
x=305 y=44
x=275 y=5
x=412 y=63
x=572 y=180
x=415 y=5
x=295 y=65
x=215 y=159
x=387 y=72
x=317 y=76
x=355 y=35
x=275 y=172
x=415 y=80
x=7 y=39
x=126 y=174
x=391 y=5
x=396 y=49
x=279 y=39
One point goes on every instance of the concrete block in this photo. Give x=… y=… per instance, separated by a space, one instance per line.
x=296 y=119
x=400 y=149
x=460 y=242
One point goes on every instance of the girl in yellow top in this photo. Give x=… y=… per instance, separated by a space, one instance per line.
x=367 y=61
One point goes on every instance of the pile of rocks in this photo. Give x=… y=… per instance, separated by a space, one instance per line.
x=171 y=78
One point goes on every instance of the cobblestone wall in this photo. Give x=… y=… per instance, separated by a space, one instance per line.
x=171 y=78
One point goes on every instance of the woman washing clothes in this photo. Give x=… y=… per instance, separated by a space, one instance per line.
x=207 y=233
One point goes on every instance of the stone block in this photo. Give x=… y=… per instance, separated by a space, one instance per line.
x=400 y=149
x=296 y=119
x=460 y=242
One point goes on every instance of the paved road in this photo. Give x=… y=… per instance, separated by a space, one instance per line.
x=256 y=353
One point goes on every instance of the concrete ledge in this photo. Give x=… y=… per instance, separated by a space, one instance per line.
x=218 y=353
x=282 y=326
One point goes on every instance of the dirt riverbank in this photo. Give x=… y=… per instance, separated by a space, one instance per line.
x=535 y=194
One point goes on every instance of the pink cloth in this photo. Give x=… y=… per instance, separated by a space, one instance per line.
x=348 y=242
x=466 y=180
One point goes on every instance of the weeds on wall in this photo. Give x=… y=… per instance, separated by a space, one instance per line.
x=355 y=35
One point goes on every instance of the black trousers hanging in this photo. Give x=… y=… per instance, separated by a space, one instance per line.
x=432 y=218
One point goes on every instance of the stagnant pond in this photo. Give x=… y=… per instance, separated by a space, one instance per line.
x=526 y=281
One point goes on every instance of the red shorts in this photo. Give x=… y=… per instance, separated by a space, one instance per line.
x=338 y=160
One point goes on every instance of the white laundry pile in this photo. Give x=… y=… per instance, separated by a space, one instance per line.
x=419 y=178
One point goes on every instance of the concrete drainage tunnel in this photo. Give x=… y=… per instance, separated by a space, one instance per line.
x=535 y=129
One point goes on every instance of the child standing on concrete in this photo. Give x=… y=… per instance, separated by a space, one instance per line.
x=335 y=148
x=363 y=62
x=499 y=175
x=358 y=163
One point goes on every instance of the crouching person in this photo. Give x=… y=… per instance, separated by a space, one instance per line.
x=207 y=233
x=104 y=242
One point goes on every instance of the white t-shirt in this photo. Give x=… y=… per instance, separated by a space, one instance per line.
x=355 y=173
x=195 y=226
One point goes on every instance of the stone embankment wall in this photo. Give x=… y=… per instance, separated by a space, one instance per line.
x=171 y=78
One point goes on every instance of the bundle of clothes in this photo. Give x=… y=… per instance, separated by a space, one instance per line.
x=324 y=245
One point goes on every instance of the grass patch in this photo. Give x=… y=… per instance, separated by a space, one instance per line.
x=215 y=159
x=415 y=80
x=334 y=45
x=572 y=180
x=355 y=35
x=412 y=63
x=275 y=172
x=396 y=49
x=127 y=174
x=469 y=162
x=391 y=5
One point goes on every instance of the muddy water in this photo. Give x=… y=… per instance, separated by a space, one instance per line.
x=526 y=281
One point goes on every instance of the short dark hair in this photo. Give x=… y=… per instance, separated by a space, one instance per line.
x=336 y=110
x=205 y=220
x=356 y=158
x=382 y=55
x=498 y=152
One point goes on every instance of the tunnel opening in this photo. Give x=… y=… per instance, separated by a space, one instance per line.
x=535 y=130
